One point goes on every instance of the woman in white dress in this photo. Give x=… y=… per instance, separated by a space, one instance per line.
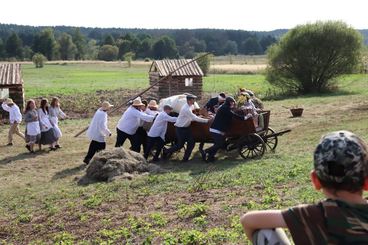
x=55 y=112
x=33 y=131
x=48 y=135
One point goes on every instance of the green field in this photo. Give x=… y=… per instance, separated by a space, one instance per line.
x=194 y=203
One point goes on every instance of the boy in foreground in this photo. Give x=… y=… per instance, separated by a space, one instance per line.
x=340 y=172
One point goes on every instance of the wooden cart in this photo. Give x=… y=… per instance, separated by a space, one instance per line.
x=243 y=136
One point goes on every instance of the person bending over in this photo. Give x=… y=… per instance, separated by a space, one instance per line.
x=129 y=123
x=156 y=135
x=183 y=130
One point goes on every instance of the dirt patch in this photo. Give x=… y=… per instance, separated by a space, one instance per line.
x=118 y=162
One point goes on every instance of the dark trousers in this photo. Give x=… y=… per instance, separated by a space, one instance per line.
x=122 y=137
x=219 y=142
x=94 y=147
x=183 y=135
x=154 y=142
x=142 y=139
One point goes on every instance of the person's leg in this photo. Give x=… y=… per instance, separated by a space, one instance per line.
x=135 y=142
x=17 y=131
x=120 y=137
x=159 y=145
x=149 y=146
x=180 y=136
x=93 y=147
x=10 y=134
x=270 y=237
x=190 y=144
x=219 y=141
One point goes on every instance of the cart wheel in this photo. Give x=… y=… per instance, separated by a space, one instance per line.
x=271 y=142
x=251 y=146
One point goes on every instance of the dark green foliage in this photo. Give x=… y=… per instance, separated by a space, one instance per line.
x=38 y=59
x=309 y=56
x=67 y=48
x=251 y=46
x=13 y=46
x=45 y=43
x=204 y=63
x=80 y=43
x=186 y=43
x=108 y=53
x=165 y=47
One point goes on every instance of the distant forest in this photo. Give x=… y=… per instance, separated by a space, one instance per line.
x=19 y=42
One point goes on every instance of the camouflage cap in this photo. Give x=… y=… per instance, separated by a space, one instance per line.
x=341 y=157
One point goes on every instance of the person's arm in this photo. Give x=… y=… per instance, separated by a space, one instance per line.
x=62 y=114
x=267 y=219
x=196 y=118
x=145 y=117
x=5 y=107
x=169 y=118
x=104 y=129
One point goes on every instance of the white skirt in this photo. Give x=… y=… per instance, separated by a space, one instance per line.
x=33 y=128
x=55 y=122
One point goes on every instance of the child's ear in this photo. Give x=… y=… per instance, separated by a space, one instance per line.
x=315 y=181
x=365 y=185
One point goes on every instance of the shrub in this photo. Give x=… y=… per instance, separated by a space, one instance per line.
x=128 y=57
x=108 y=53
x=39 y=59
x=308 y=57
x=204 y=63
x=192 y=211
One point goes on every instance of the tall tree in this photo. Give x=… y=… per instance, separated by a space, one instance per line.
x=2 y=49
x=124 y=47
x=67 y=48
x=165 y=47
x=80 y=43
x=231 y=47
x=109 y=40
x=251 y=46
x=145 y=49
x=45 y=43
x=13 y=46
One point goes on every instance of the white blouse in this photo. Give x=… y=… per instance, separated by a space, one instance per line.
x=98 y=129
x=44 y=119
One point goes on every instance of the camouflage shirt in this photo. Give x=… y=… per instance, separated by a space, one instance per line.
x=328 y=222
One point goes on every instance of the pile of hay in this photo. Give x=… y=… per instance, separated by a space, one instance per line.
x=109 y=164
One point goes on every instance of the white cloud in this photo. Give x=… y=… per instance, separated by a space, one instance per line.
x=229 y=14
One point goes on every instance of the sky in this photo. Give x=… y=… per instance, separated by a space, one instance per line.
x=255 y=15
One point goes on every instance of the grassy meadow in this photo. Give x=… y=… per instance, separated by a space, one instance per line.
x=195 y=202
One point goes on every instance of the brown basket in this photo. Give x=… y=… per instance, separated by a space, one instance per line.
x=297 y=112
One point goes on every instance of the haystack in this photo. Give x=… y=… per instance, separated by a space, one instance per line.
x=111 y=163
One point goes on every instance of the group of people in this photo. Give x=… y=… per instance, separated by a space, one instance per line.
x=41 y=123
x=131 y=126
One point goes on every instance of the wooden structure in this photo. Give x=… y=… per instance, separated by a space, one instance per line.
x=250 y=141
x=188 y=79
x=11 y=82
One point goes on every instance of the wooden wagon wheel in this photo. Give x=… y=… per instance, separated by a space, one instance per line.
x=271 y=142
x=251 y=146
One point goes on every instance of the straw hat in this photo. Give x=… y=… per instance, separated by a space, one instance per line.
x=106 y=105
x=137 y=102
x=153 y=104
x=9 y=101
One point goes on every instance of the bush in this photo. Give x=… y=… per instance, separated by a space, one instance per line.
x=308 y=57
x=204 y=63
x=108 y=53
x=38 y=59
x=128 y=57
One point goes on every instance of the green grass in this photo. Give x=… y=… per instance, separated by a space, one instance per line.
x=194 y=203
x=81 y=78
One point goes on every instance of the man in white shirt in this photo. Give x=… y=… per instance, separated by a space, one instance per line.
x=183 y=130
x=97 y=131
x=156 y=135
x=15 y=118
x=129 y=123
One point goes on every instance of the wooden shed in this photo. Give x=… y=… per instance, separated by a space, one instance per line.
x=11 y=83
x=188 y=79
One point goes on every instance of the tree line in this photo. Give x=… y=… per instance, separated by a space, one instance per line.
x=69 y=43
